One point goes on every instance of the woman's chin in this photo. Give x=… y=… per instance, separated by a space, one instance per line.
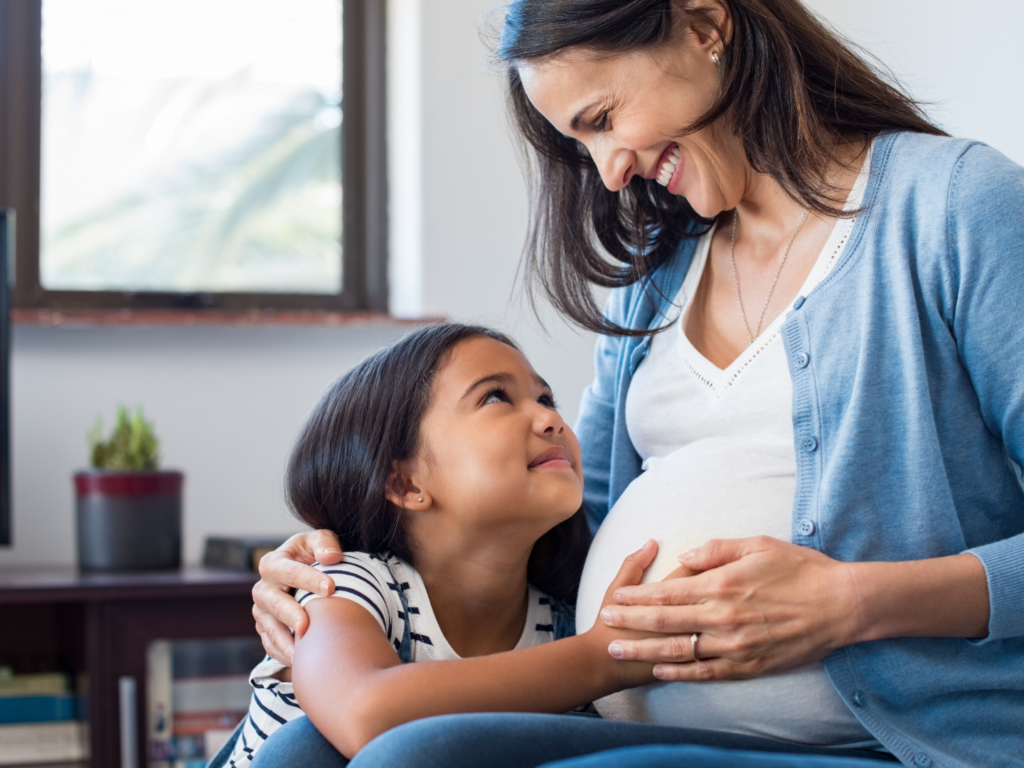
x=703 y=207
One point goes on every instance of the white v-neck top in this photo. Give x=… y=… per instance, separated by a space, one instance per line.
x=719 y=462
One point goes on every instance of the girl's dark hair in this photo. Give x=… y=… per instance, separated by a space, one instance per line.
x=791 y=89
x=339 y=468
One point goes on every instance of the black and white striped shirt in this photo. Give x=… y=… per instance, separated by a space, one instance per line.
x=377 y=583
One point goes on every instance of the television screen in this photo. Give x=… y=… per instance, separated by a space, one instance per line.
x=6 y=268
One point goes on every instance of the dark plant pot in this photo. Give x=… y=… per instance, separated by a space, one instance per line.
x=128 y=521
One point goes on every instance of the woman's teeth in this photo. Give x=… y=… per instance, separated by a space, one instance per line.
x=668 y=167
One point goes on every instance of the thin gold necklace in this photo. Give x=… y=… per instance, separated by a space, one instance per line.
x=736 y=279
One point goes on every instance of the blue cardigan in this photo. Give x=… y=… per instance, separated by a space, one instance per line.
x=907 y=364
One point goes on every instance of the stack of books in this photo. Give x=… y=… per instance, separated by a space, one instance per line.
x=198 y=692
x=42 y=720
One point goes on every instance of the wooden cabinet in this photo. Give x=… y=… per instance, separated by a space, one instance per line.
x=102 y=625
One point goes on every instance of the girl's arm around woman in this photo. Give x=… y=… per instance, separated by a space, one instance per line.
x=351 y=685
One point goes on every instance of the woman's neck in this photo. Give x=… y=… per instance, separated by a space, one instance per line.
x=477 y=588
x=767 y=214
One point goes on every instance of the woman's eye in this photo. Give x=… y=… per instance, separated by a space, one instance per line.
x=602 y=123
x=548 y=401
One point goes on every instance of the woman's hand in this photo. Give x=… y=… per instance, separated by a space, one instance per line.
x=286 y=568
x=759 y=605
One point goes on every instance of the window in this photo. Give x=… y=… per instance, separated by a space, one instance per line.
x=195 y=153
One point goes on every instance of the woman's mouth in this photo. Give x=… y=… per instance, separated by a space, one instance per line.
x=669 y=165
x=553 y=458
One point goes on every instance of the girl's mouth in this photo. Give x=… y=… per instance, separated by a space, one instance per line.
x=669 y=164
x=556 y=458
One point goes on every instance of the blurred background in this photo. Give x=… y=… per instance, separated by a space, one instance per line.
x=228 y=400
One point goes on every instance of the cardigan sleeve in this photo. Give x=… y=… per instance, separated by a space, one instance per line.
x=986 y=240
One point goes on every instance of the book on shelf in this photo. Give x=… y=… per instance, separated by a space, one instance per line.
x=158 y=692
x=34 y=743
x=238 y=553
x=42 y=709
x=198 y=692
x=37 y=684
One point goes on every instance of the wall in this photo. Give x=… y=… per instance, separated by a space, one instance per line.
x=228 y=401
x=965 y=59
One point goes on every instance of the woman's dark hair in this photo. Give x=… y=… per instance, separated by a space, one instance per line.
x=339 y=468
x=791 y=89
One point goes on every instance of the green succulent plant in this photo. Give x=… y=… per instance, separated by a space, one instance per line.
x=132 y=446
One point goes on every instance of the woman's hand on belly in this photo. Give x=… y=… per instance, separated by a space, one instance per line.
x=759 y=605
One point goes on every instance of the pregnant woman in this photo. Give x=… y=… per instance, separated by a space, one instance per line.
x=805 y=383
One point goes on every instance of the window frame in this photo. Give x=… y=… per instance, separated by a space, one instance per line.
x=363 y=177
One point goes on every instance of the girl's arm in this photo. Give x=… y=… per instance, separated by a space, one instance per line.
x=352 y=686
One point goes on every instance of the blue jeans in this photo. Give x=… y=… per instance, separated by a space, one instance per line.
x=527 y=741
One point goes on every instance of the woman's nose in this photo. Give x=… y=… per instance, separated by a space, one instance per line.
x=616 y=166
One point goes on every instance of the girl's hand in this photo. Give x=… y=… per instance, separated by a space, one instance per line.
x=759 y=605
x=625 y=674
x=287 y=568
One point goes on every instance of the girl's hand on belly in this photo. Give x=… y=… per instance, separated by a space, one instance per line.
x=758 y=605
x=623 y=674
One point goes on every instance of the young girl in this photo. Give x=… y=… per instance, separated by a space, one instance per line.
x=455 y=488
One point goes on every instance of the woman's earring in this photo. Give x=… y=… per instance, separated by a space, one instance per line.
x=714 y=56
x=420 y=499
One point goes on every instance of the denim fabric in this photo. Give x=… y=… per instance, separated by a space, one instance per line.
x=511 y=740
x=663 y=756
x=908 y=421
x=298 y=743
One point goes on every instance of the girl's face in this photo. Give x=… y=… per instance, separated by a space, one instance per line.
x=631 y=110
x=493 y=448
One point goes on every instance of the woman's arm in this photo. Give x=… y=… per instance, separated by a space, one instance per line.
x=763 y=605
x=352 y=686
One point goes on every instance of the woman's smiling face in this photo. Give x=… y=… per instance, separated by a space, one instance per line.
x=631 y=110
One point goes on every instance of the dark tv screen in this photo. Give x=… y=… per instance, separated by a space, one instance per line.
x=6 y=268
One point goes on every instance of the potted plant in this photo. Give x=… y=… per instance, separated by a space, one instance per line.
x=128 y=512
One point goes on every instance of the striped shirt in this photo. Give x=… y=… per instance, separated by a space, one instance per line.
x=384 y=585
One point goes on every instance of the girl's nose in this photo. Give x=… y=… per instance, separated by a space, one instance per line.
x=548 y=421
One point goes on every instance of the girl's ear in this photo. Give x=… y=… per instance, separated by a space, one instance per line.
x=404 y=488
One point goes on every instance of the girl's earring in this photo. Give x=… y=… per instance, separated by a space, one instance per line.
x=420 y=499
x=714 y=56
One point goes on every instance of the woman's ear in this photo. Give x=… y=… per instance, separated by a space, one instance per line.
x=709 y=20
x=406 y=488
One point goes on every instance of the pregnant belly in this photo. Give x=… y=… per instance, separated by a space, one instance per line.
x=681 y=501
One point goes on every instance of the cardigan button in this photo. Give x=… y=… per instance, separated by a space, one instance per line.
x=802 y=360
x=809 y=444
x=806 y=528
x=858 y=698
x=799 y=302
x=922 y=759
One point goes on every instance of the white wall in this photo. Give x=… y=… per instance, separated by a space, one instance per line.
x=227 y=401
x=966 y=59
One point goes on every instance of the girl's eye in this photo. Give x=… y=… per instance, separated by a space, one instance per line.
x=497 y=395
x=548 y=401
x=602 y=123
